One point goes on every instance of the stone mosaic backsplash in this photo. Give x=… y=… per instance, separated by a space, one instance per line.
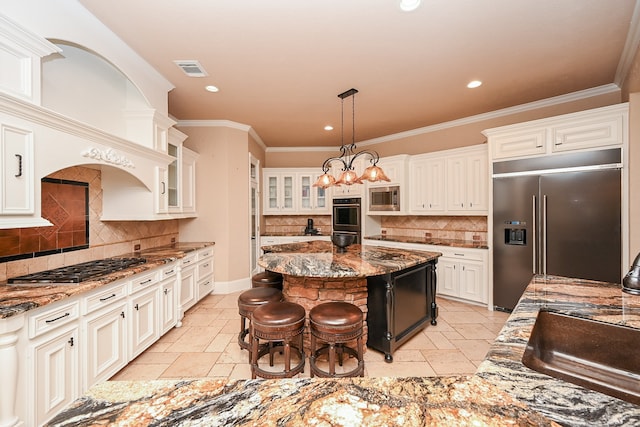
x=293 y=224
x=438 y=227
x=106 y=239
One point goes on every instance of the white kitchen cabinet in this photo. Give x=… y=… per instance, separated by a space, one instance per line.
x=462 y=274
x=468 y=183
x=105 y=342
x=161 y=193
x=205 y=273
x=188 y=283
x=279 y=192
x=53 y=373
x=311 y=200
x=188 y=183
x=396 y=169
x=144 y=320
x=427 y=184
x=17 y=177
x=584 y=130
x=169 y=309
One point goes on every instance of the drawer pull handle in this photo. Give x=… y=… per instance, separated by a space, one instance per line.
x=188 y=261
x=144 y=282
x=207 y=283
x=205 y=265
x=57 y=318
x=107 y=298
x=163 y=187
x=169 y=272
x=458 y=254
x=19 y=157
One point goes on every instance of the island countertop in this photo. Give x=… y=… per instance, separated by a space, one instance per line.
x=318 y=258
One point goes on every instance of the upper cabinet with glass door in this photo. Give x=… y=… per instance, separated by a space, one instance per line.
x=290 y=191
x=313 y=200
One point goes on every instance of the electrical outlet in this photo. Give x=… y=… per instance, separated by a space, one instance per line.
x=136 y=247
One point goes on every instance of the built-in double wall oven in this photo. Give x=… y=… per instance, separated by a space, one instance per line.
x=347 y=217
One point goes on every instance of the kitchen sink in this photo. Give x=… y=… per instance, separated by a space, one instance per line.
x=592 y=354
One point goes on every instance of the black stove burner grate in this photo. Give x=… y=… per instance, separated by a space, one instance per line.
x=79 y=272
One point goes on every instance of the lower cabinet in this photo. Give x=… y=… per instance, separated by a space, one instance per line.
x=461 y=274
x=53 y=373
x=144 y=322
x=105 y=346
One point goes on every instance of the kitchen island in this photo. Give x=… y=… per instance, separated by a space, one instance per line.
x=394 y=288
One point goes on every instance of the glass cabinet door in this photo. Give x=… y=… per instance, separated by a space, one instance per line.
x=305 y=192
x=288 y=192
x=172 y=150
x=273 y=192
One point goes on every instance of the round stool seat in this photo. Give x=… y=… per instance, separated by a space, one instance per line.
x=277 y=326
x=335 y=315
x=267 y=279
x=336 y=324
x=248 y=301
x=278 y=315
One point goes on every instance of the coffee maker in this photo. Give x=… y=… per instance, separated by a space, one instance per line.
x=310 y=230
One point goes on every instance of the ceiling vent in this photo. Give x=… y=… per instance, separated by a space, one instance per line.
x=191 y=68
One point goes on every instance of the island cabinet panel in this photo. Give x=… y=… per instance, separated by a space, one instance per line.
x=399 y=305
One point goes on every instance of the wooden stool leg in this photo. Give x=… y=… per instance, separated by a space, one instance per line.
x=312 y=355
x=360 y=355
x=332 y=358
x=254 y=356
x=287 y=356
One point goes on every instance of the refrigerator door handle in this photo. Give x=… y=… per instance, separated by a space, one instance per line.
x=543 y=242
x=533 y=234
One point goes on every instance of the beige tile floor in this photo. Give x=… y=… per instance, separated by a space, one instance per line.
x=206 y=345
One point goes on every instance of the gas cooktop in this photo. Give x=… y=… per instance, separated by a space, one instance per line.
x=79 y=272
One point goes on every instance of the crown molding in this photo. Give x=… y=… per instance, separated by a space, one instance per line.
x=561 y=99
x=224 y=123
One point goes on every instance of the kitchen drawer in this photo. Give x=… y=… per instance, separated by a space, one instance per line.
x=189 y=260
x=53 y=317
x=469 y=254
x=170 y=270
x=205 y=287
x=144 y=280
x=104 y=297
x=205 y=268
x=205 y=253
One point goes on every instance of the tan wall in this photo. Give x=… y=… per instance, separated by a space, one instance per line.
x=222 y=195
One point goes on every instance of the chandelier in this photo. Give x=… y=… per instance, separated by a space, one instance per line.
x=348 y=155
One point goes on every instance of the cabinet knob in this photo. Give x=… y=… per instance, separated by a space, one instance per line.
x=70 y=342
x=122 y=314
x=166 y=291
x=136 y=307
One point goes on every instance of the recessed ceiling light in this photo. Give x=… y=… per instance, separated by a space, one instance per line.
x=474 y=83
x=211 y=88
x=409 y=5
x=328 y=127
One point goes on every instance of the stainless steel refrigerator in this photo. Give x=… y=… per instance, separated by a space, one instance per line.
x=560 y=216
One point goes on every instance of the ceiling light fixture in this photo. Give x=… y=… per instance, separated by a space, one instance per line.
x=212 y=88
x=328 y=127
x=474 y=84
x=348 y=176
x=409 y=5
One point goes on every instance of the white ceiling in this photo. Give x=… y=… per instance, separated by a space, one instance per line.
x=280 y=64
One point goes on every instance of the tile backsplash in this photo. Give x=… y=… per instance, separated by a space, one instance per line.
x=106 y=239
x=289 y=224
x=438 y=227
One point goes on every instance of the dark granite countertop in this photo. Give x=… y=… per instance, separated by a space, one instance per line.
x=503 y=391
x=319 y=258
x=475 y=244
x=16 y=299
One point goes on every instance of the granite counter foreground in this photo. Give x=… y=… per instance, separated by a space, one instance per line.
x=406 y=402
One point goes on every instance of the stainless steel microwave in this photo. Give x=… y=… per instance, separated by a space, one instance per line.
x=384 y=198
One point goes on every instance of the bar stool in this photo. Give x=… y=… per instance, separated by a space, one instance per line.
x=279 y=325
x=267 y=279
x=248 y=301
x=335 y=324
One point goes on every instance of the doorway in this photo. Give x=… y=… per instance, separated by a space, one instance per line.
x=254 y=216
